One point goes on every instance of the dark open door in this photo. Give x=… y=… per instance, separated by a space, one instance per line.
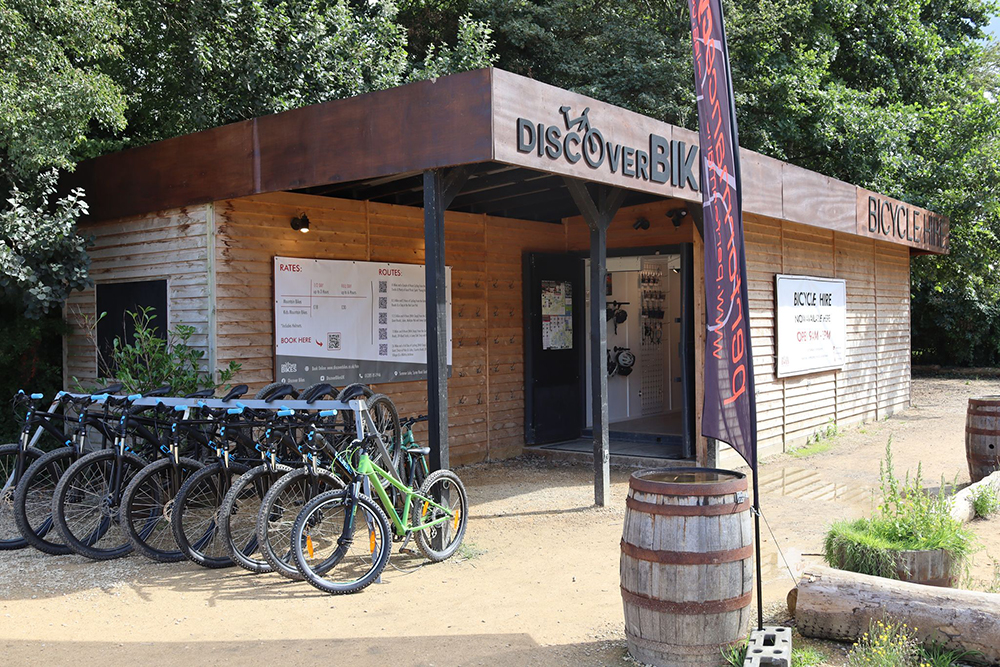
x=553 y=347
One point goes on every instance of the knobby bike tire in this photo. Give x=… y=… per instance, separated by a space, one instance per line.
x=346 y=567
x=85 y=510
x=439 y=542
x=278 y=511
x=195 y=519
x=10 y=534
x=33 y=501
x=238 y=515
x=148 y=503
x=386 y=419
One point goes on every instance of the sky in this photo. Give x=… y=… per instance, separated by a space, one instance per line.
x=994 y=27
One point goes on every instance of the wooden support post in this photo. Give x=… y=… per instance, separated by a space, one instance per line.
x=440 y=188
x=598 y=215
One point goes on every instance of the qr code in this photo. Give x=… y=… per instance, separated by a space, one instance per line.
x=383 y=349
x=333 y=341
x=383 y=334
x=383 y=287
x=383 y=302
x=383 y=318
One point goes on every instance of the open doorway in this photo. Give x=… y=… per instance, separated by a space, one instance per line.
x=645 y=362
x=649 y=361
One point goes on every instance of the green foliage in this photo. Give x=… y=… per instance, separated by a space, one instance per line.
x=936 y=655
x=807 y=657
x=52 y=94
x=735 y=655
x=887 y=643
x=43 y=258
x=51 y=89
x=985 y=501
x=31 y=359
x=215 y=62
x=908 y=518
x=149 y=361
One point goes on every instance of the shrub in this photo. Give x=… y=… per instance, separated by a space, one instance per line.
x=985 y=501
x=908 y=518
x=149 y=361
x=886 y=644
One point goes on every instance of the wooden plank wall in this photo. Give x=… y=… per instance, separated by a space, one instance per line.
x=171 y=245
x=892 y=283
x=486 y=390
x=875 y=380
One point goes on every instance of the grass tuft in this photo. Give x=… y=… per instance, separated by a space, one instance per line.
x=985 y=501
x=908 y=518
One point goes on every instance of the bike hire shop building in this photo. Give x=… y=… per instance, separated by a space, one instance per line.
x=530 y=223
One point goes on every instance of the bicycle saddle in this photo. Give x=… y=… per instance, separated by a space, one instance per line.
x=235 y=392
x=115 y=388
x=201 y=393
x=318 y=391
x=162 y=391
x=284 y=391
x=351 y=392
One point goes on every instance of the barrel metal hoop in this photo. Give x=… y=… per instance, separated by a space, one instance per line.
x=982 y=431
x=720 y=488
x=686 y=557
x=994 y=412
x=687 y=608
x=686 y=510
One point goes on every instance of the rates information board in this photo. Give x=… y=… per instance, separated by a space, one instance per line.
x=342 y=322
x=812 y=324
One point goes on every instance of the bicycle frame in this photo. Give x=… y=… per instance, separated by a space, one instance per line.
x=367 y=469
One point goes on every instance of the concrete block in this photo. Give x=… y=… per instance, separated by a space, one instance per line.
x=770 y=647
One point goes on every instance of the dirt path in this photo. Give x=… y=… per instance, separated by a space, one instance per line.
x=537 y=583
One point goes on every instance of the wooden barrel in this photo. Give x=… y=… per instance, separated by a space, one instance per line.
x=932 y=567
x=982 y=436
x=686 y=565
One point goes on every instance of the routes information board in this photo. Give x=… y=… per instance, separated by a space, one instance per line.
x=342 y=322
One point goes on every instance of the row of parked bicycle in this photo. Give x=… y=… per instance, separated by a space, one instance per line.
x=312 y=484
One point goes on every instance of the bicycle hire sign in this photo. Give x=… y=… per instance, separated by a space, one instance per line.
x=811 y=324
x=576 y=140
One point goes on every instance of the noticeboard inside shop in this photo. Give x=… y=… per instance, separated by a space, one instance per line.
x=811 y=326
x=344 y=321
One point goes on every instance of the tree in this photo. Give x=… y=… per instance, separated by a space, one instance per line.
x=51 y=93
x=197 y=64
x=897 y=96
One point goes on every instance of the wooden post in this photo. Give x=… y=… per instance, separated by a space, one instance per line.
x=598 y=215
x=440 y=188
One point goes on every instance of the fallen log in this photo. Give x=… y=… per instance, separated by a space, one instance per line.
x=840 y=605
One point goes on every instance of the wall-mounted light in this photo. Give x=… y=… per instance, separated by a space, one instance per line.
x=301 y=224
x=641 y=223
x=677 y=216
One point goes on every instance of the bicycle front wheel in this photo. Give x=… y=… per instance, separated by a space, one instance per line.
x=195 y=519
x=87 y=500
x=440 y=541
x=148 y=504
x=33 y=501
x=10 y=475
x=279 y=509
x=238 y=515
x=340 y=546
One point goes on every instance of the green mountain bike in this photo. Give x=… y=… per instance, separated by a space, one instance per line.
x=342 y=539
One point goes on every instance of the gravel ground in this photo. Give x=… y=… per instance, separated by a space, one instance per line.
x=536 y=584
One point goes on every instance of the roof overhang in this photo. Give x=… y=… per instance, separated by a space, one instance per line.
x=483 y=117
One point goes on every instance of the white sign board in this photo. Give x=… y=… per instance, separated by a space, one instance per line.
x=811 y=324
x=342 y=321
